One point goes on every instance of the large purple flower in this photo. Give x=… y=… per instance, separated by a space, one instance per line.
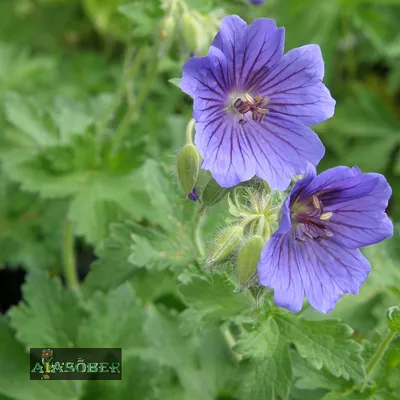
x=257 y=1
x=325 y=219
x=253 y=105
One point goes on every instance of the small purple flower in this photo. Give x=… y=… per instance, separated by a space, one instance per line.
x=325 y=219
x=253 y=105
x=257 y=1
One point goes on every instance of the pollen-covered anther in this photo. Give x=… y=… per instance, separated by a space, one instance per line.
x=315 y=202
x=326 y=216
x=328 y=234
x=308 y=235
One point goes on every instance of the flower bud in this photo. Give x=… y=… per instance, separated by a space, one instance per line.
x=188 y=166
x=213 y=193
x=393 y=315
x=167 y=29
x=225 y=244
x=193 y=32
x=203 y=178
x=248 y=258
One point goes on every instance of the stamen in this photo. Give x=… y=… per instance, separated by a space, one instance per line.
x=249 y=98
x=309 y=235
x=300 y=239
x=238 y=103
x=326 y=216
x=254 y=105
x=315 y=201
x=328 y=234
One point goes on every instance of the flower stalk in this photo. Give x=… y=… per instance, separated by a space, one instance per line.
x=380 y=352
x=121 y=130
x=69 y=260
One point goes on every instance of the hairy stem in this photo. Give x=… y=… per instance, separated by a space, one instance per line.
x=69 y=256
x=377 y=357
x=120 y=132
x=189 y=131
x=129 y=73
x=196 y=234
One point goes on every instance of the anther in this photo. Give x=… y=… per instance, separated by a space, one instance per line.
x=249 y=98
x=326 y=216
x=238 y=103
x=328 y=234
x=308 y=235
x=300 y=239
x=315 y=201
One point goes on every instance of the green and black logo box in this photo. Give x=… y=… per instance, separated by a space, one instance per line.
x=75 y=364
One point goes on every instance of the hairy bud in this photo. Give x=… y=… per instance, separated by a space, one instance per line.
x=167 y=31
x=393 y=316
x=248 y=258
x=188 y=167
x=225 y=244
x=194 y=32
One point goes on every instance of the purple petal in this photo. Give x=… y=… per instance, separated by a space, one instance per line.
x=282 y=149
x=358 y=204
x=251 y=50
x=295 y=87
x=285 y=223
x=278 y=270
x=323 y=270
x=206 y=80
x=225 y=151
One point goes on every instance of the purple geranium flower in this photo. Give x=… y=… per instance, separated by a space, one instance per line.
x=253 y=105
x=257 y=1
x=325 y=219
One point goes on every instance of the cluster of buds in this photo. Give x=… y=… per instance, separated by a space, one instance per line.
x=254 y=214
x=196 y=30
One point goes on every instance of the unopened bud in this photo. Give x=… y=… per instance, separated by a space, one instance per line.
x=225 y=244
x=213 y=193
x=167 y=28
x=193 y=32
x=248 y=258
x=393 y=315
x=203 y=178
x=187 y=167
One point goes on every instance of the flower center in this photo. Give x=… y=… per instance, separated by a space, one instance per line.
x=256 y=106
x=310 y=220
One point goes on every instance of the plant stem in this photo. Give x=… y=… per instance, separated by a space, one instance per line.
x=189 y=131
x=120 y=132
x=69 y=256
x=196 y=234
x=130 y=72
x=377 y=357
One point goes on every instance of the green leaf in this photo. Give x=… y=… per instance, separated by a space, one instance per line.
x=14 y=373
x=113 y=256
x=268 y=372
x=50 y=315
x=202 y=374
x=324 y=344
x=105 y=326
x=174 y=81
x=214 y=300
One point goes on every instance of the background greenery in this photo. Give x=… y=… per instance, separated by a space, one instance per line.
x=89 y=127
